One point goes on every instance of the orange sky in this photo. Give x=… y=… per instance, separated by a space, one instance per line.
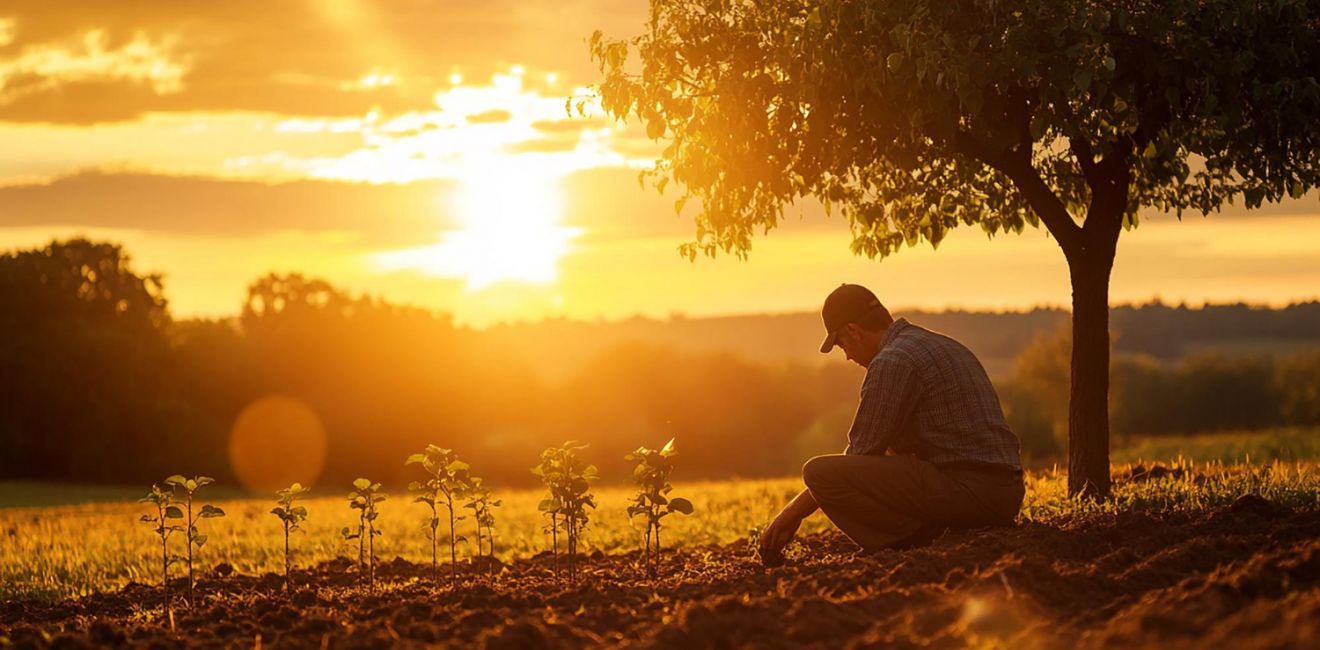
x=421 y=151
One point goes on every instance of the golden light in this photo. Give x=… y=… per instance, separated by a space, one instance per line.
x=512 y=232
x=276 y=441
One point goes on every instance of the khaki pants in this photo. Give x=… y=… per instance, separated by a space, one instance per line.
x=882 y=501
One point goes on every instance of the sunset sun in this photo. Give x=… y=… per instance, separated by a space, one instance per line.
x=511 y=232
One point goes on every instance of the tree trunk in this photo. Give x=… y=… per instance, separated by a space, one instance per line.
x=1088 y=405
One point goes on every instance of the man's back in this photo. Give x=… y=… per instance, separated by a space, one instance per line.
x=950 y=411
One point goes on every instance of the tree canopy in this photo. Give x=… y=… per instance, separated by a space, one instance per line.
x=914 y=118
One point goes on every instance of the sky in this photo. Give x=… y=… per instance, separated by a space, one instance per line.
x=421 y=151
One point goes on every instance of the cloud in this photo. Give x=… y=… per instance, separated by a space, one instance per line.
x=140 y=61
x=318 y=58
x=604 y=204
x=495 y=116
x=372 y=215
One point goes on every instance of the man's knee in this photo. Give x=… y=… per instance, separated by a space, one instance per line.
x=819 y=470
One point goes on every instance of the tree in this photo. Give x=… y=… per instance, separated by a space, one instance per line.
x=916 y=117
x=86 y=387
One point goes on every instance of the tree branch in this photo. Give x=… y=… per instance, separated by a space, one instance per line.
x=1026 y=177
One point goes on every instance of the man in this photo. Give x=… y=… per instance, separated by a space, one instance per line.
x=928 y=448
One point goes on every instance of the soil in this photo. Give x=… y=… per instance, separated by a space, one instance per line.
x=1247 y=576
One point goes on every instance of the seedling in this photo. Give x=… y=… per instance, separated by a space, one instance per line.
x=652 y=501
x=290 y=516
x=189 y=487
x=568 y=479
x=448 y=480
x=363 y=498
x=480 y=503
x=165 y=511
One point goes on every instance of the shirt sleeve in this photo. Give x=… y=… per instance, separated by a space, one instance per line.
x=889 y=395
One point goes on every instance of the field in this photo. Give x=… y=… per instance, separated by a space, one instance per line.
x=1185 y=554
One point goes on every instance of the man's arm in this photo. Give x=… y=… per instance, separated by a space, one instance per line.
x=781 y=531
x=889 y=395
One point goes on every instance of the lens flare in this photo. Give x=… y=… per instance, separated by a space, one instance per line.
x=276 y=441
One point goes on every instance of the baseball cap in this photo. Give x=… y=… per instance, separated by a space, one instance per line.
x=844 y=305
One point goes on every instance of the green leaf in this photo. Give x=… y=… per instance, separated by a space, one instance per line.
x=210 y=511
x=200 y=540
x=894 y=61
x=361 y=484
x=177 y=479
x=668 y=449
x=415 y=459
x=173 y=512
x=679 y=504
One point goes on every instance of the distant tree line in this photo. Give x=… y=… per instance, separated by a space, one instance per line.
x=1151 y=396
x=99 y=384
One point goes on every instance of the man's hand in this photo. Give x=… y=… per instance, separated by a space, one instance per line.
x=779 y=533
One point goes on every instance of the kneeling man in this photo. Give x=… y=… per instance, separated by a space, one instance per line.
x=928 y=449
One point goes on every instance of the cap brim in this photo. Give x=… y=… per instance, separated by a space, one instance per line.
x=830 y=340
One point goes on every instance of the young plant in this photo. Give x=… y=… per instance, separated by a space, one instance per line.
x=189 y=487
x=652 y=501
x=363 y=498
x=290 y=516
x=480 y=503
x=165 y=511
x=568 y=479
x=448 y=481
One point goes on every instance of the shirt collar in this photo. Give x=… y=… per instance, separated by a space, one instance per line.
x=892 y=333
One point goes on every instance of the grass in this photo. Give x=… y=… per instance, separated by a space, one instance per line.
x=63 y=551
x=1287 y=444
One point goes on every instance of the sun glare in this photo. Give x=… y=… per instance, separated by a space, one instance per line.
x=512 y=233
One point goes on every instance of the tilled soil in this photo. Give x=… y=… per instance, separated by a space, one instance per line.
x=1247 y=576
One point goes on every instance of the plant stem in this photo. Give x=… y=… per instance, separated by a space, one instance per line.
x=453 y=554
x=164 y=561
x=287 y=578
x=191 y=601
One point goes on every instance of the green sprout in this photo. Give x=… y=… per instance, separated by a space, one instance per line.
x=165 y=510
x=290 y=516
x=448 y=481
x=652 y=478
x=363 y=498
x=196 y=539
x=568 y=479
x=480 y=503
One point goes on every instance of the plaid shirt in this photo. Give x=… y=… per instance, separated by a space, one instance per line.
x=926 y=394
